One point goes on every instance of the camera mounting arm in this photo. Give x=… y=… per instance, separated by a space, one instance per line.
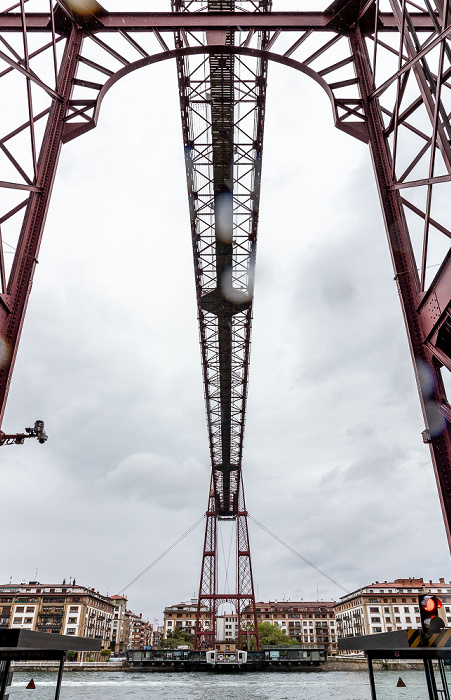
x=18 y=439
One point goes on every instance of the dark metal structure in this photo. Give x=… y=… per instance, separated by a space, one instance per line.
x=407 y=644
x=386 y=68
x=37 y=432
x=26 y=645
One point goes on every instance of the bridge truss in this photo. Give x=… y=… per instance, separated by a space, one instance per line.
x=386 y=68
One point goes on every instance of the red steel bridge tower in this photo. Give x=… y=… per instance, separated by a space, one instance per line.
x=386 y=68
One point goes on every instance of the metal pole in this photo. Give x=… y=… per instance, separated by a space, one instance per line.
x=4 y=677
x=430 y=679
x=441 y=666
x=60 y=676
x=371 y=677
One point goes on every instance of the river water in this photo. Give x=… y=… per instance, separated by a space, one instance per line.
x=212 y=686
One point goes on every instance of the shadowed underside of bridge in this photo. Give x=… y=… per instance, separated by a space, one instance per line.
x=386 y=68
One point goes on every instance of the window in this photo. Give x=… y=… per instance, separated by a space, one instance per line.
x=387 y=619
x=377 y=629
x=73 y=608
x=71 y=630
x=408 y=619
x=386 y=610
x=406 y=610
x=396 y=610
x=72 y=620
x=30 y=610
x=17 y=621
x=20 y=609
x=374 y=610
x=398 y=619
x=375 y=619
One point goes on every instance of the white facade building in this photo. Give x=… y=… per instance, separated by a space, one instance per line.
x=386 y=607
x=227 y=627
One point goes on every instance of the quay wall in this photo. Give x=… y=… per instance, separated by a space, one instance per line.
x=332 y=664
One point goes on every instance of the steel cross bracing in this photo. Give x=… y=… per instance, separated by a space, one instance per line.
x=386 y=68
x=222 y=99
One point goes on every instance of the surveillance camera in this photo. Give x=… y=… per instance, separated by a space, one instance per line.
x=40 y=432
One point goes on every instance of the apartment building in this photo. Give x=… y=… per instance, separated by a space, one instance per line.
x=183 y=615
x=120 y=629
x=226 y=627
x=387 y=606
x=306 y=622
x=140 y=631
x=67 y=609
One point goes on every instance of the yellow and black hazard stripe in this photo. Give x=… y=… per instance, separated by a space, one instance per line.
x=414 y=638
x=440 y=639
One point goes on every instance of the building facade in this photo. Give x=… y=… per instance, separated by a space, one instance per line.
x=57 y=609
x=183 y=616
x=120 y=630
x=306 y=622
x=387 y=606
x=140 y=631
x=227 y=627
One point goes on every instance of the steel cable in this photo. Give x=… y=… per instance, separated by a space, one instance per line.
x=162 y=555
x=293 y=551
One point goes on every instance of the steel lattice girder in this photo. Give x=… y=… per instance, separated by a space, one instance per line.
x=386 y=71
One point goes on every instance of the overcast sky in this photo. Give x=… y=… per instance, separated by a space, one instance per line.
x=334 y=462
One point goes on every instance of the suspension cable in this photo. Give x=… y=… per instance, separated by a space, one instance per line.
x=293 y=551
x=162 y=555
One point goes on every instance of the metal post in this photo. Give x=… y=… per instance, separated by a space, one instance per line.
x=60 y=676
x=441 y=666
x=430 y=679
x=4 y=677
x=371 y=676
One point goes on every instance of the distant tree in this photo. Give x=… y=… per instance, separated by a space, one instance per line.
x=71 y=655
x=271 y=635
x=177 y=638
x=106 y=653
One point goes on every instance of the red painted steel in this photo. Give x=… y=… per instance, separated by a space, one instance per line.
x=15 y=293
x=387 y=75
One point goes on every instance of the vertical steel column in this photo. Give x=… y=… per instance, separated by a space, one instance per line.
x=4 y=673
x=245 y=582
x=12 y=315
x=371 y=676
x=406 y=275
x=445 y=689
x=430 y=679
x=206 y=603
x=60 y=676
